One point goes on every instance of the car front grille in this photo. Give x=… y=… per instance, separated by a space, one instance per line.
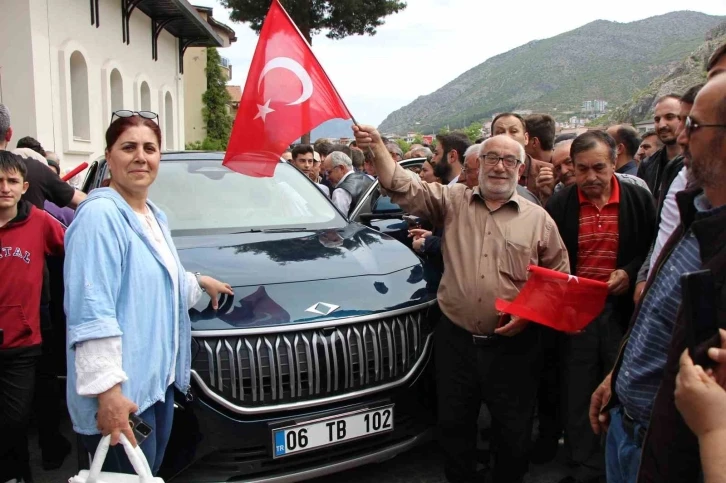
x=302 y=365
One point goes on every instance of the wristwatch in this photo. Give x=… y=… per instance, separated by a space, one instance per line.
x=198 y=276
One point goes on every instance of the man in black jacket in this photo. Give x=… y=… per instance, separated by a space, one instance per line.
x=674 y=180
x=607 y=227
x=667 y=120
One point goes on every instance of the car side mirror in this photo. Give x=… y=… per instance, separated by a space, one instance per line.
x=383 y=206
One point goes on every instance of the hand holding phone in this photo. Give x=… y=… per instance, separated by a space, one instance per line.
x=141 y=429
x=698 y=307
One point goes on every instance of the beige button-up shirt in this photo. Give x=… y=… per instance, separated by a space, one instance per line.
x=486 y=253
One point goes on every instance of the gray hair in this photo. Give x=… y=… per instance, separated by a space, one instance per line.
x=425 y=153
x=395 y=147
x=521 y=148
x=473 y=149
x=339 y=158
x=4 y=120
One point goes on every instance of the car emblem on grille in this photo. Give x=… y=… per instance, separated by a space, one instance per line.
x=321 y=308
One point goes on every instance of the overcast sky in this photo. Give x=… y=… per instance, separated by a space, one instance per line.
x=434 y=41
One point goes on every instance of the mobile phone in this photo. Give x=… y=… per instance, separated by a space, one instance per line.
x=412 y=221
x=141 y=429
x=698 y=291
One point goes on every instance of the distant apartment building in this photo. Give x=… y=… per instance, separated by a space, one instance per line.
x=594 y=106
x=195 y=85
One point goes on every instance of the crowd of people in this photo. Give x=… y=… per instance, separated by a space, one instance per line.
x=638 y=395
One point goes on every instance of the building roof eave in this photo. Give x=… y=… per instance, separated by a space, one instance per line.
x=182 y=21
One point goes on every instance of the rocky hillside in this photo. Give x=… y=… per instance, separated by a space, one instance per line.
x=600 y=60
x=689 y=72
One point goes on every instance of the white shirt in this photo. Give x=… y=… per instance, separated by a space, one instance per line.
x=341 y=198
x=670 y=217
x=99 y=361
x=454 y=181
x=324 y=189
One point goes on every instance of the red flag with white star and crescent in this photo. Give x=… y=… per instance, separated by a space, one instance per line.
x=558 y=300
x=286 y=95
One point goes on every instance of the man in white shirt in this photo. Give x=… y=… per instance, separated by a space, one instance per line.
x=349 y=185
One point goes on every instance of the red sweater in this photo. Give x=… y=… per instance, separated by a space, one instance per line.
x=24 y=243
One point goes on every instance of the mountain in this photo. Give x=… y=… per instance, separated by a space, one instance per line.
x=335 y=128
x=687 y=73
x=601 y=60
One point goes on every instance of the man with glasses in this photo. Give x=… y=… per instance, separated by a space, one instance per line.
x=607 y=226
x=395 y=151
x=349 y=186
x=647 y=438
x=667 y=120
x=491 y=236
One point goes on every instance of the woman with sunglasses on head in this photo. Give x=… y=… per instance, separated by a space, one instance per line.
x=127 y=299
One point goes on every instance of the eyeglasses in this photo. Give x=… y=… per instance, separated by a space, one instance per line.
x=692 y=125
x=493 y=159
x=128 y=113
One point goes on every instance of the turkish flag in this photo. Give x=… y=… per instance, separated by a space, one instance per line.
x=558 y=300
x=286 y=95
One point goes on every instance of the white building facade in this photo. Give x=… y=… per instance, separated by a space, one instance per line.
x=67 y=65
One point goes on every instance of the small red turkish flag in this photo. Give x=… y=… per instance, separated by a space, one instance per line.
x=558 y=300
x=286 y=95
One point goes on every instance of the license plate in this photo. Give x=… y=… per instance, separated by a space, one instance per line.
x=333 y=430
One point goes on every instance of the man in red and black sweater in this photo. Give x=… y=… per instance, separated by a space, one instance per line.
x=607 y=227
x=27 y=235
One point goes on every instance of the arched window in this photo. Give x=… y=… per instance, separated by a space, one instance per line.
x=145 y=96
x=117 y=90
x=169 y=121
x=79 y=97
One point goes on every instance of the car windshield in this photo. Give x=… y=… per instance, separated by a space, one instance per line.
x=202 y=196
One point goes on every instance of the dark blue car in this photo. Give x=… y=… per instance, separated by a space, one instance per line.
x=320 y=361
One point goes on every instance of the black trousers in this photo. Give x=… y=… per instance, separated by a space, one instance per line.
x=17 y=383
x=504 y=375
x=588 y=357
x=549 y=409
x=48 y=388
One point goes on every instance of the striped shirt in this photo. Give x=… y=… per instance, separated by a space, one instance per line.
x=598 y=236
x=646 y=352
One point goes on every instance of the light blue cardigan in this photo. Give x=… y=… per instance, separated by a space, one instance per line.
x=117 y=285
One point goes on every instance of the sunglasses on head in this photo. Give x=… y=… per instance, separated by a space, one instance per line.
x=128 y=113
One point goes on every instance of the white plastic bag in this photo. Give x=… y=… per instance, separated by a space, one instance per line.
x=136 y=457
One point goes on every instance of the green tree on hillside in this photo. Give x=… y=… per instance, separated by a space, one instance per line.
x=341 y=18
x=473 y=132
x=216 y=101
x=405 y=147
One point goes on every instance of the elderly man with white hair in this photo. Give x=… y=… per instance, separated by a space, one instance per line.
x=491 y=236
x=349 y=185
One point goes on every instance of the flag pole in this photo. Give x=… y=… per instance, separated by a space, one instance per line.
x=352 y=118
x=321 y=65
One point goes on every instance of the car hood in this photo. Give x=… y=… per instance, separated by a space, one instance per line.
x=271 y=258
x=289 y=278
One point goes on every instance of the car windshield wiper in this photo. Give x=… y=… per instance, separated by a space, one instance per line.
x=250 y=230
x=285 y=230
